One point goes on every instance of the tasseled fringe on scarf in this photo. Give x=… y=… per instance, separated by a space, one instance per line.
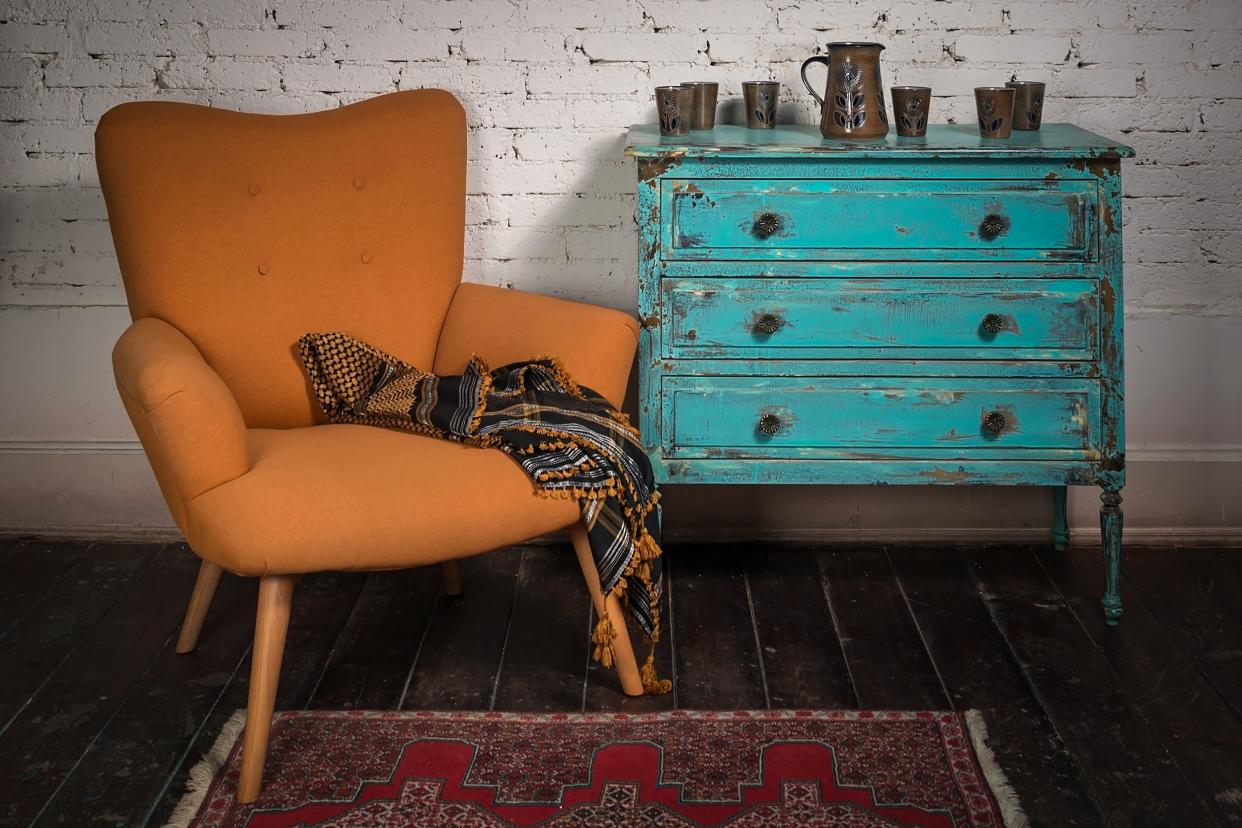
x=485 y=378
x=572 y=388
x=646 y=550
x=562 y=376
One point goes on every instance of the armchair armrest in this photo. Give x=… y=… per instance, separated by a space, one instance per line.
x=185 y=416
x=596 y=345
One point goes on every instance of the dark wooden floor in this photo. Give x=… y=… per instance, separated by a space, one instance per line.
x=100 y=719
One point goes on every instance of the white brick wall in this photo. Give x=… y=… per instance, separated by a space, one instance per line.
x=549 y=87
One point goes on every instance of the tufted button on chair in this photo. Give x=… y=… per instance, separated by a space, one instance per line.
x=238 y=233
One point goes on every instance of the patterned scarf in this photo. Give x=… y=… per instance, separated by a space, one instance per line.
x=568 y=439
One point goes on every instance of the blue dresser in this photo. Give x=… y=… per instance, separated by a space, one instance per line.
x=944 y=310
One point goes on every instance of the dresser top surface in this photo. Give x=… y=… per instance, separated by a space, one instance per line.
x=942 y=141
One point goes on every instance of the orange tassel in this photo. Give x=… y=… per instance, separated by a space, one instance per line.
x=603 y=636
x=652 y=684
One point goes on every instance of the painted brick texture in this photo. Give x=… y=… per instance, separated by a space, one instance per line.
x=550 y=86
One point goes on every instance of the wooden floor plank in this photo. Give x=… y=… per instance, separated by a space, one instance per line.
x=1123 y=759
x=461 y=653
x=124 y=772
x=887 y=660
x=321 y=605
x=980 y=673
x=603 y=692
x=717 y=661
x=803 y=661
x=34 y=645
x=545 y=657
x=371 y=660
x=1162 y=680
x=30 y=569
x=1220 y=579
x=1194 y=593
x=1133 y=707
x=48 y=737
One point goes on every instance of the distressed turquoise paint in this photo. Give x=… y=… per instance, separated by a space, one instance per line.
x=881 y=370
x=943 y=141
x=883 y=219
x=880 y=470
x=932 y=416
x=1060 y=521
x=845 y=318
x=864 y=269
x=864 y=368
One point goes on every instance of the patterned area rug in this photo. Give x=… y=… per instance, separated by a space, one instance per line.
x=769 y=769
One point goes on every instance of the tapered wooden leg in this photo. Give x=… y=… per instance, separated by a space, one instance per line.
x=452 y=578
x=622 y=649
x=1060 y=523
x=1110 y=536
x=200 y=601
x=271 y=624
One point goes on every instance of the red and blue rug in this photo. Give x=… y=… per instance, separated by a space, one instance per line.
x=684 y=769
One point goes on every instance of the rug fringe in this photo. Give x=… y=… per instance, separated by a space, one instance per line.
x=203 y=773
x=1006 y=796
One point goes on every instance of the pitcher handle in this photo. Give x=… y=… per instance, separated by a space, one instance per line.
x=814 y=59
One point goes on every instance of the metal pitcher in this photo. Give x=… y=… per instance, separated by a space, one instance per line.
x=853 y=102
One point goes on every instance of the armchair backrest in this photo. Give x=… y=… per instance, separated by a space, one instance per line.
x=246 y=231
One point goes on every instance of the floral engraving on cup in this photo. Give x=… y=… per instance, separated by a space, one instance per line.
x=1036 y=112
x=913 y=118
x=989 y=119
x=670 y=113
x=849 y=110
x=765 y=107
x=883 y=110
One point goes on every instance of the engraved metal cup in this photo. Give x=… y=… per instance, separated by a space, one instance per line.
x=760 y=99
x=910 y=109
x=994 y=105
x=1028 y=103
x=703 y=110
x=673 y=106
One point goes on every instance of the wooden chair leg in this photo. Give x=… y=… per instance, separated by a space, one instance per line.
x=271 y=624
x=623 y=650
x=200 y=601
x=452 y=578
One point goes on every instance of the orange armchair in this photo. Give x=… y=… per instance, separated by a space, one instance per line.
x=238 y=233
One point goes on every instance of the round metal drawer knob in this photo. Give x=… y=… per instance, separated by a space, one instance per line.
x=993 y=225
x=769 y=424
x=767 y=225
x=994 y=421
x=768 y=323
x=993 y=323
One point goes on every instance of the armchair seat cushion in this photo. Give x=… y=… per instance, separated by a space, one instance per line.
x=357 y=498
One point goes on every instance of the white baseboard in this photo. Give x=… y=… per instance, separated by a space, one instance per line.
x=104 y=490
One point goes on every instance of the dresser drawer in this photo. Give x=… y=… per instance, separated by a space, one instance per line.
x=775 y=417
x=878 y=219
x=949 y=318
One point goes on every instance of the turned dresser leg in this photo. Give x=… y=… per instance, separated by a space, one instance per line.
x=1060 y=523
x=1110 y=537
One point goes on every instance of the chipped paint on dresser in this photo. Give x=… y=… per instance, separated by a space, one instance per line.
x=939 y=311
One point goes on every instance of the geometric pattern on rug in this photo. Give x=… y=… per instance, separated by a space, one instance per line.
x=681 y=769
